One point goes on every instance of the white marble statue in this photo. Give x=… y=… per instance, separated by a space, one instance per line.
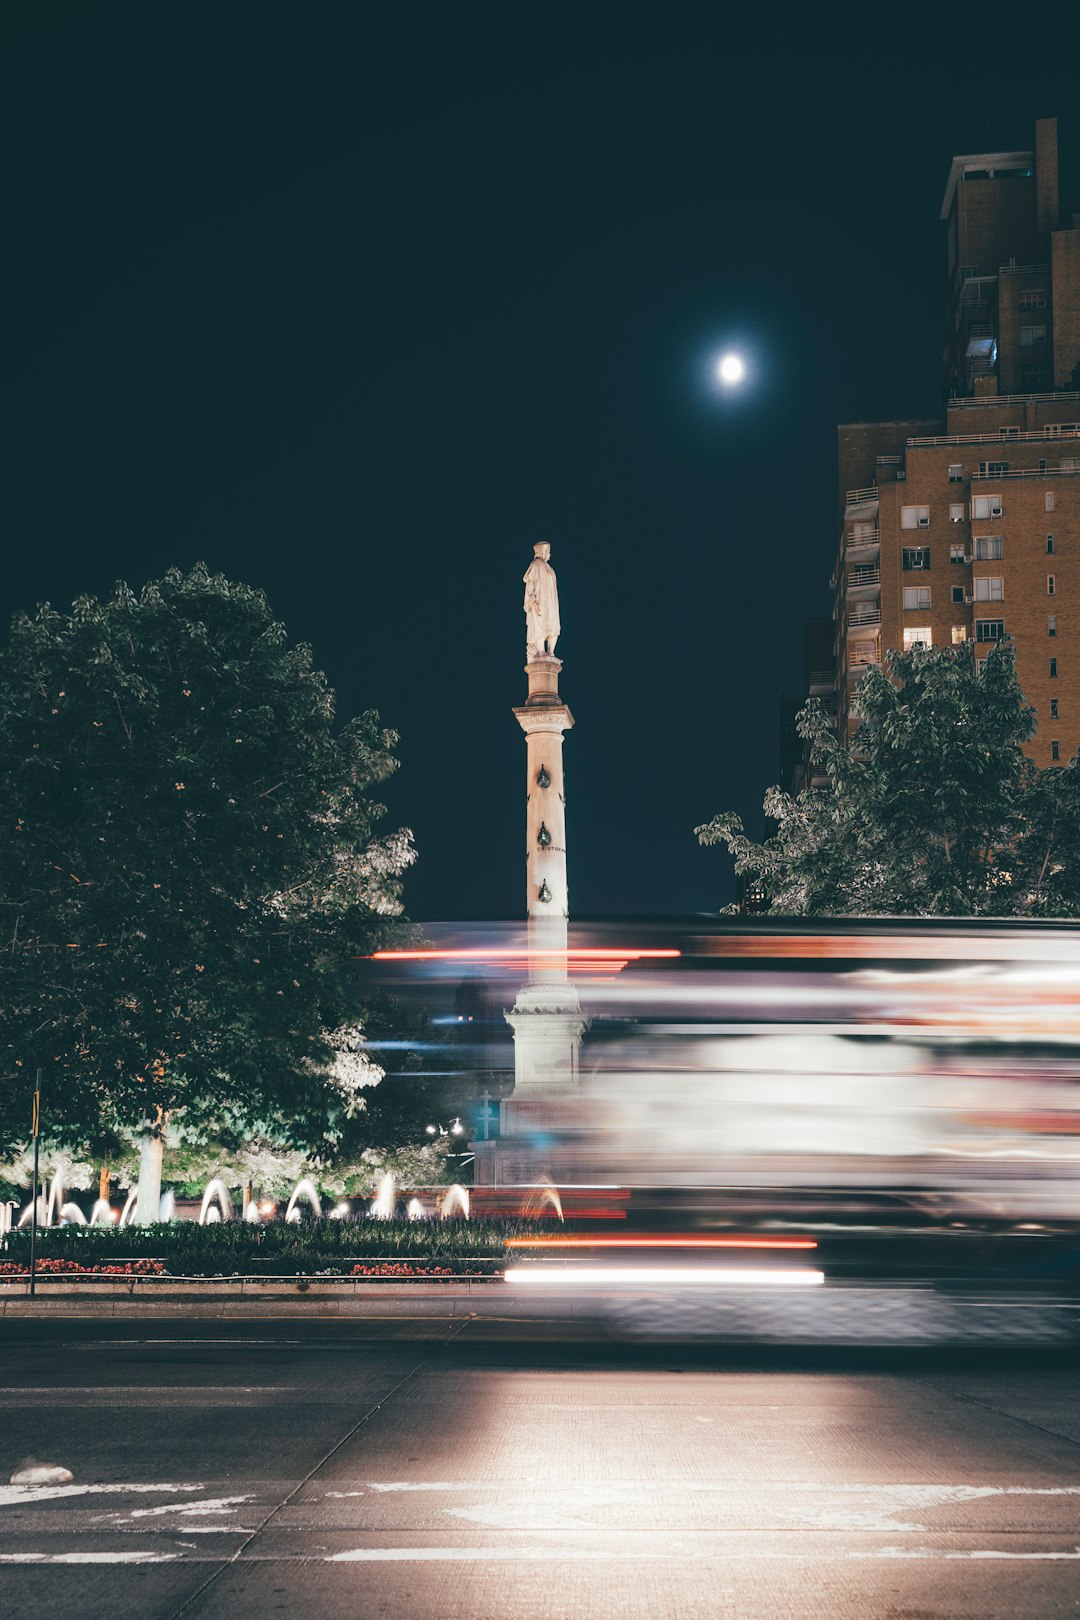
x=541 y=603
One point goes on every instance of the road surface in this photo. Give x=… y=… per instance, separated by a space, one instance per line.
x=356 y=1470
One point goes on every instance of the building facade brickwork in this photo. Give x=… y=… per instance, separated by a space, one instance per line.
x=962 y=531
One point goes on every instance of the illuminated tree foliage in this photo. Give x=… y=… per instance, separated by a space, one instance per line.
x=188 y=861
x=933 y=811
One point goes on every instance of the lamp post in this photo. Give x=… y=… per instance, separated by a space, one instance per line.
x=34 y=1193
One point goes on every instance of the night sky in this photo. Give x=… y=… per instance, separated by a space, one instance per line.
x=356 y=306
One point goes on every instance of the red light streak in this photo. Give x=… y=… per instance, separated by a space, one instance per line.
x=521 y=954
x=628 y=1241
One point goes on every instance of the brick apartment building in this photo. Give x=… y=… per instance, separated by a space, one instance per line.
x=964 y=530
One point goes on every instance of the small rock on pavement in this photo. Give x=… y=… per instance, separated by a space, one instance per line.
x=32 y=1472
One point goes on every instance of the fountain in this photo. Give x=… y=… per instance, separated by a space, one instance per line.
x=216 y=1203
x=303 y=1189
x=28 y=1213
x=55 y=1205
x=455 y=1201
x=128 y=1211
x=542 y=1196
x=414 y=1210
x=167 y=1205
x=72 y=1215
x=102 y=1213
x=384 y=1204
x=251 y=1214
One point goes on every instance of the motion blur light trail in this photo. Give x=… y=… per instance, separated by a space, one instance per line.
x=667 y=1241
x=664 y=1276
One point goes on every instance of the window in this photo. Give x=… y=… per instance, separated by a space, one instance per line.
x=917 y=636
x=957 y=554
x=1051 y=625
x=989 y=590
x=987 y=506
x=866 y=652
x=1033 y=298
x=1031 y=377
x=956 y=472
x=916 y=556
x=993 y=469
x=914 y=517
x=1055 y=749
x=1070 y=463
x=916 y=596
x=958 y=594
x=956 y=511
x=959 y=635
x=1050 y=585
x=1053 y=669
x=863 y=534
x=1048 y=501
x=1049 y=545
x=989 y=629
x=1054 y=709
x=989 y=548
x=1031 y=335
x=967 y=271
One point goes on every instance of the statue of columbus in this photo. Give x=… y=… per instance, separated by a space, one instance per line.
x=541 y=603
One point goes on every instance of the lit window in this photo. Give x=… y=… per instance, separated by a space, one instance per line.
x=1054 y=709
x=915 y=556
x=989 y=629
x=956 y=472
x=958 y=594
x=1051 y=625
x=1053 y=669
x=1049 y=545
x=992 y=469
x=989 y=590
x=1048 y=501
x=917 y=636
x=959 y=635
x=987 y=506
x=1031 y=335
x=916 y=596
x=956 y=511
x=989 y=548
x=1050 y=585
x=914 y=517
x=1055 y=749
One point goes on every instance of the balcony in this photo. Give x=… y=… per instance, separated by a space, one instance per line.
x=865 y=544
x=863 y=615
x=859 y=661
x=865 y=498
x=864 y=580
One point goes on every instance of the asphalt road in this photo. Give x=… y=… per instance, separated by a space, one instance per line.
x=353 y=1471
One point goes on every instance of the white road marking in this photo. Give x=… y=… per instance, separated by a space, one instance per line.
x=91 y=1558
x=12 y=1495
x=211 y=1504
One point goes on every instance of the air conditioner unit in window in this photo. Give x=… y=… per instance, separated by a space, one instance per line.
x=968 y=600
x=924 y=523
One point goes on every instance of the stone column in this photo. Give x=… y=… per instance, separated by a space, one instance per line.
x=546 y=1017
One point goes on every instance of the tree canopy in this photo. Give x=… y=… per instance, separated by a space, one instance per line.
x=190 y=857
x=933 y=810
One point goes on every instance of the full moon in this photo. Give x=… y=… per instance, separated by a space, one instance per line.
x=730 y=368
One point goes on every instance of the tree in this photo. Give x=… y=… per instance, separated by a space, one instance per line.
x=934 y=809
x=189 y=860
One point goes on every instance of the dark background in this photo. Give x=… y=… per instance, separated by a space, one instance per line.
x=357 y=305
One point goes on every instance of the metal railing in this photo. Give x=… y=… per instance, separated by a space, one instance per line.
x=863 y=614
x=857 y=497
x=1002 y=436
x=864 y=574
x=856 y=540
x=1026 y=472
x=964 y=404
x=860 y=660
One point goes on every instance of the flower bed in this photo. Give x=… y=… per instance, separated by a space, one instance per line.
x=47 y=1266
